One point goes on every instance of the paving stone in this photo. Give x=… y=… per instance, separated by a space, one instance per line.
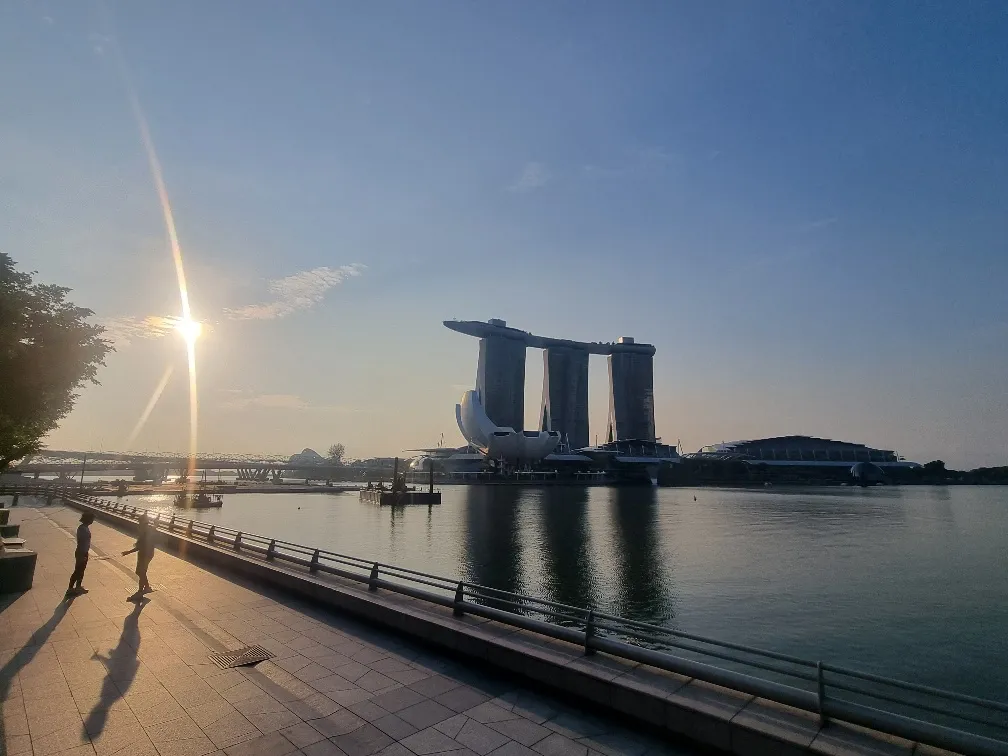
x=363 y=741
x=523 y=730
x=434 y=685
x=394 y=726
x=425 y=714
x=231 y=729
x=313 y=707
x=480 y=738
x=302 y=734
x=558 y=745
x=429 y=741
x=339 y=723
x=398 y=699
x=324 y=748
x=489 y=712
x=368 y=710
x=17 y=745
x=274 y=744
x=272 y=721
x=461 y=698
x=511 y=748
x=62 y=739
x=452 y=725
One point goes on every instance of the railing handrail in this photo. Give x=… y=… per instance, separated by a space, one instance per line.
x=886 y=720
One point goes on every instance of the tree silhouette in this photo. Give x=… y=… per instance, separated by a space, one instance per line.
x=47 y=351
x=336 y=452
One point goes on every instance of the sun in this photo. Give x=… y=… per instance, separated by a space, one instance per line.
x=190 y=330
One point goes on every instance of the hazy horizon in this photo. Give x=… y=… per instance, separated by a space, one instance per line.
x=801 y=206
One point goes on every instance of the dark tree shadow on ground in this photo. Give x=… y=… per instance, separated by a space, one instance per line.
x=122 y=664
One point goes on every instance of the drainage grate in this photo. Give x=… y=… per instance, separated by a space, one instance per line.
x=241 y=657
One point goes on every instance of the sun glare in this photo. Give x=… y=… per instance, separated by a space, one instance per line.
x=190 y=329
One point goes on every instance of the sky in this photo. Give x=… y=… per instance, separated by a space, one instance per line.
x=802 y=205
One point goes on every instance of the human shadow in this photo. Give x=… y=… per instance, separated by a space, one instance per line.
x=25 y=654
x=122 y=664
x=30 y=649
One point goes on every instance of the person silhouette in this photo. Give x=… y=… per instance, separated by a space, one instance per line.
x=81 y=556
x=144 y=549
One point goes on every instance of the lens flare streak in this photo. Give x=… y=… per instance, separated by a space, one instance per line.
x=176 y=249
x=150 y=405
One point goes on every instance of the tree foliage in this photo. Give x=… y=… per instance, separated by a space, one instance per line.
x=336 y=452
x=48 y=350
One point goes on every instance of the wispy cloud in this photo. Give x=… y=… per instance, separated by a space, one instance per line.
x=124 y=330
x=533 y=176
x=632 y=162
x=241 y=399
x=99 y=42
x=300 y=291
x=815 y=225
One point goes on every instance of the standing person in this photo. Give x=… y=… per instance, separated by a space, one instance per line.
x=145 y=552
x=81 y=555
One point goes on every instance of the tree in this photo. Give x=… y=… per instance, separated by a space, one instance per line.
x=935 y=467
x=48 y=350
x=336 y=452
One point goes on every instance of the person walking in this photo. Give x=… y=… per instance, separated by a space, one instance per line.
x=144 y=549
x=81 y=556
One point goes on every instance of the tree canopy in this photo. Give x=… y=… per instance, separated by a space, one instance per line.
x=48 y=350
x=336 y=452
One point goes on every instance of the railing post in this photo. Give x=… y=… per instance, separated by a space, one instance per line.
x=373 y=580
x=270 y=550
x=820 y=692
x=589 y=632
x=238 y=542
x=459 y=598
x=210 y=534
x=188 y=531
x=313 y=567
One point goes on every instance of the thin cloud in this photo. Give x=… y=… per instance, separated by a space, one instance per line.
x=300 y=291
x=241 y=399
x=633 y=162
x=124 y=330
x=816 y=224
x=533 y=176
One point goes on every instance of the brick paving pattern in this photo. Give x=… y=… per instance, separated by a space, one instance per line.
x=98 y=676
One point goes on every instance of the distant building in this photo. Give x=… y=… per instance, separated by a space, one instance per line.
x=307 y=457
x=491 y=417
x=801 y=451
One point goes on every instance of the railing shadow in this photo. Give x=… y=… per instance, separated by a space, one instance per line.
x=122 y=664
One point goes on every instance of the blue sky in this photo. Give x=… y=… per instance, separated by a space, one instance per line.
x=802 y=205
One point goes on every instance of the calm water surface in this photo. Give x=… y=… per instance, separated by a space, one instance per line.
x=911 y=582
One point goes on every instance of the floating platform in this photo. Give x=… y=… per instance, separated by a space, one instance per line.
x=399 y=498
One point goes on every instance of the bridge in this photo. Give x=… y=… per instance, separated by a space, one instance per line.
x=74 y=463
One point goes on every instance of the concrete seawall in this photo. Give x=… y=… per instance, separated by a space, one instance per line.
x=720 y=718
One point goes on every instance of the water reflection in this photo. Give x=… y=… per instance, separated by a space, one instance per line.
x=568 y=576
x=642 y=589
x=492 y=549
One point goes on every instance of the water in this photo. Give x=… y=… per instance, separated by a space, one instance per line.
x=909 y=582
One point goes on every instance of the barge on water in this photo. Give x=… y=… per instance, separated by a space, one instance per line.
x=399 y=495
x=385 y=497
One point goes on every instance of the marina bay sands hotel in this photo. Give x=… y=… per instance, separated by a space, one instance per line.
x=500 y=382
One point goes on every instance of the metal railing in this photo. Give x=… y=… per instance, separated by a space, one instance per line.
x=946 y=719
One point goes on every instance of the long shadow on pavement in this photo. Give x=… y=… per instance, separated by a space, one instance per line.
x=122 y=664
x=28 y=652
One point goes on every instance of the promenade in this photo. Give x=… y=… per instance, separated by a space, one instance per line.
x=100 y=675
